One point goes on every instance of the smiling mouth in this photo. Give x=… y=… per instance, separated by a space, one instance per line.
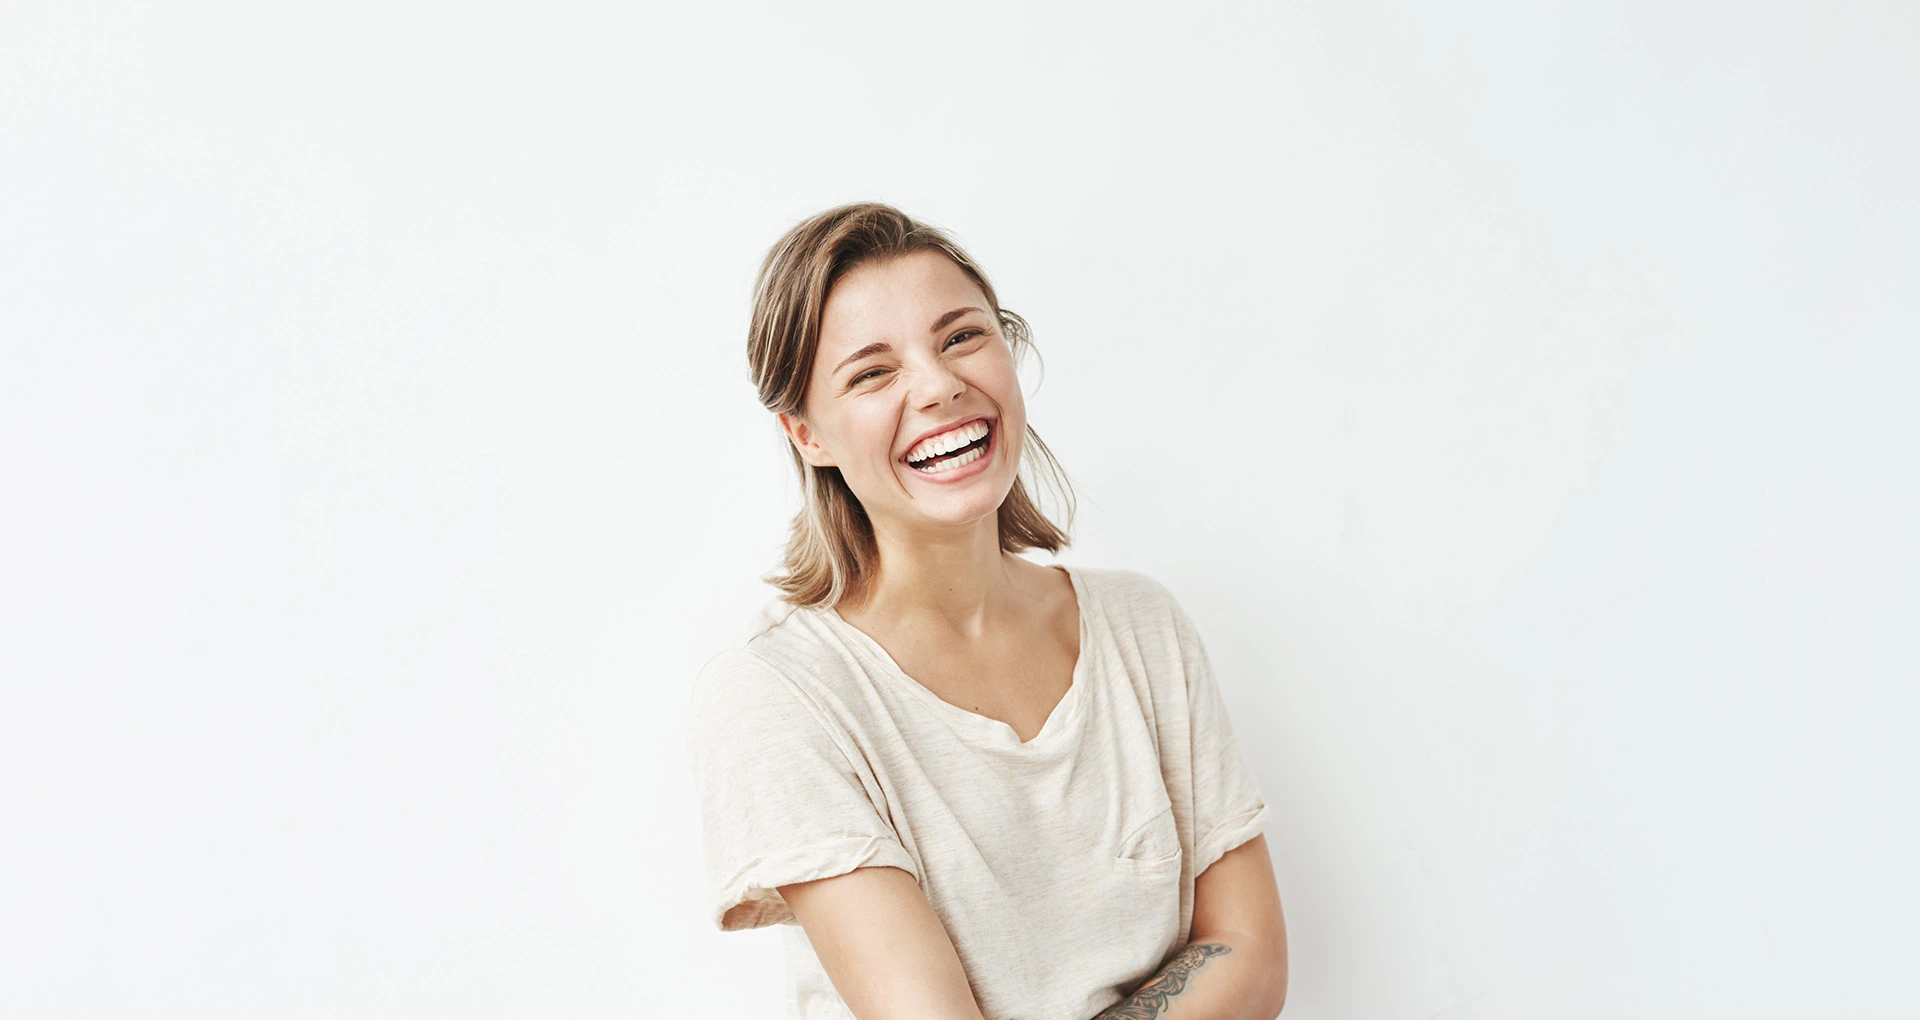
x=956 y=458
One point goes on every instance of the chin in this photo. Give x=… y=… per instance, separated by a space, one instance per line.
x=959 y=508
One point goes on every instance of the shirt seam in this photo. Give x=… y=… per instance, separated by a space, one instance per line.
x=842 y=742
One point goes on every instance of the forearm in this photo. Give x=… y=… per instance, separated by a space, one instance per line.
x=1217 y=977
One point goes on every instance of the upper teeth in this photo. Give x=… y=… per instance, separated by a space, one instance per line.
x=947 y=441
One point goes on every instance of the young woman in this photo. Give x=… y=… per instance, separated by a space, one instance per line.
x=969 y=786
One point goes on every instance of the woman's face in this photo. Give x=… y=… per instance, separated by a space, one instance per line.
x=908 y=348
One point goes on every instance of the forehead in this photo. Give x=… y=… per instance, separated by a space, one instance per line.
x=892 y=301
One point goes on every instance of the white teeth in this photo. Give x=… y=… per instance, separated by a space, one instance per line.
x=949 y=442
x=948 y=465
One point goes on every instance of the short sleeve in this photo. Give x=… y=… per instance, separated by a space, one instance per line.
x=780 y=800
x=1227 y=806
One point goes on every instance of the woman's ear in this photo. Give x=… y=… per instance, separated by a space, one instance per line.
x=803 y=440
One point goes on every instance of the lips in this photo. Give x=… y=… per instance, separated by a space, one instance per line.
x=958 y=465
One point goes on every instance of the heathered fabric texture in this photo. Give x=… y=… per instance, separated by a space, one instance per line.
x=1063 y=868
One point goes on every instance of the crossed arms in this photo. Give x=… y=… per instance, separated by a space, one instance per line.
x=890 y=958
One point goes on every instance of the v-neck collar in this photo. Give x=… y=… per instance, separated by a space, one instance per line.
x=990 y=731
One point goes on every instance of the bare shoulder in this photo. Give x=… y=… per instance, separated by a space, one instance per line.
x=882 y=945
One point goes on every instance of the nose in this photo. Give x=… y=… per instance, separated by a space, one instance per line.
x=933 y=384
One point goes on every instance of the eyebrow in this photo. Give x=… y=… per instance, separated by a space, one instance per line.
x=879 y=346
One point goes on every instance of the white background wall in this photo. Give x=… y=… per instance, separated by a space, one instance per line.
x=1518 y=397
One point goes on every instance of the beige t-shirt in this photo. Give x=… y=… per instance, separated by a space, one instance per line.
x=1063 y=868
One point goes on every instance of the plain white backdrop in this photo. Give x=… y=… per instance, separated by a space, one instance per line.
x=1519 y=398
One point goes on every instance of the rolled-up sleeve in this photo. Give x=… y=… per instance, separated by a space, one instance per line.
x=780 y=798
x=1227 y=806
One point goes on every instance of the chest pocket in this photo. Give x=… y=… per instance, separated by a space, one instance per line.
x=1152 y=848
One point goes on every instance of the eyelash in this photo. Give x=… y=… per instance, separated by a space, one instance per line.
x=856 y=380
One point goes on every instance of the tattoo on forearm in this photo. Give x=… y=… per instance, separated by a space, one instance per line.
x=1152 y=999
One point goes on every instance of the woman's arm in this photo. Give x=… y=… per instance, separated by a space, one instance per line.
x=882 y=945
x=889 y=956
x=1234 y=966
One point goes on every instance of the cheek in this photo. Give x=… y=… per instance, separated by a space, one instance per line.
x=1006 y=392
x=996 y=373
x=871 y=434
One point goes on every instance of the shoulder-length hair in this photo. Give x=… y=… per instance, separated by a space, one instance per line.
x=831 y=555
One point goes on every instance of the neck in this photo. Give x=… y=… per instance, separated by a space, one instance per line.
x=956 y=577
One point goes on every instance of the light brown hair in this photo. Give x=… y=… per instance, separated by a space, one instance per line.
x=831 y=555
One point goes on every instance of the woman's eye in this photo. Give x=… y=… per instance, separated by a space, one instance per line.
x=961 y=337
